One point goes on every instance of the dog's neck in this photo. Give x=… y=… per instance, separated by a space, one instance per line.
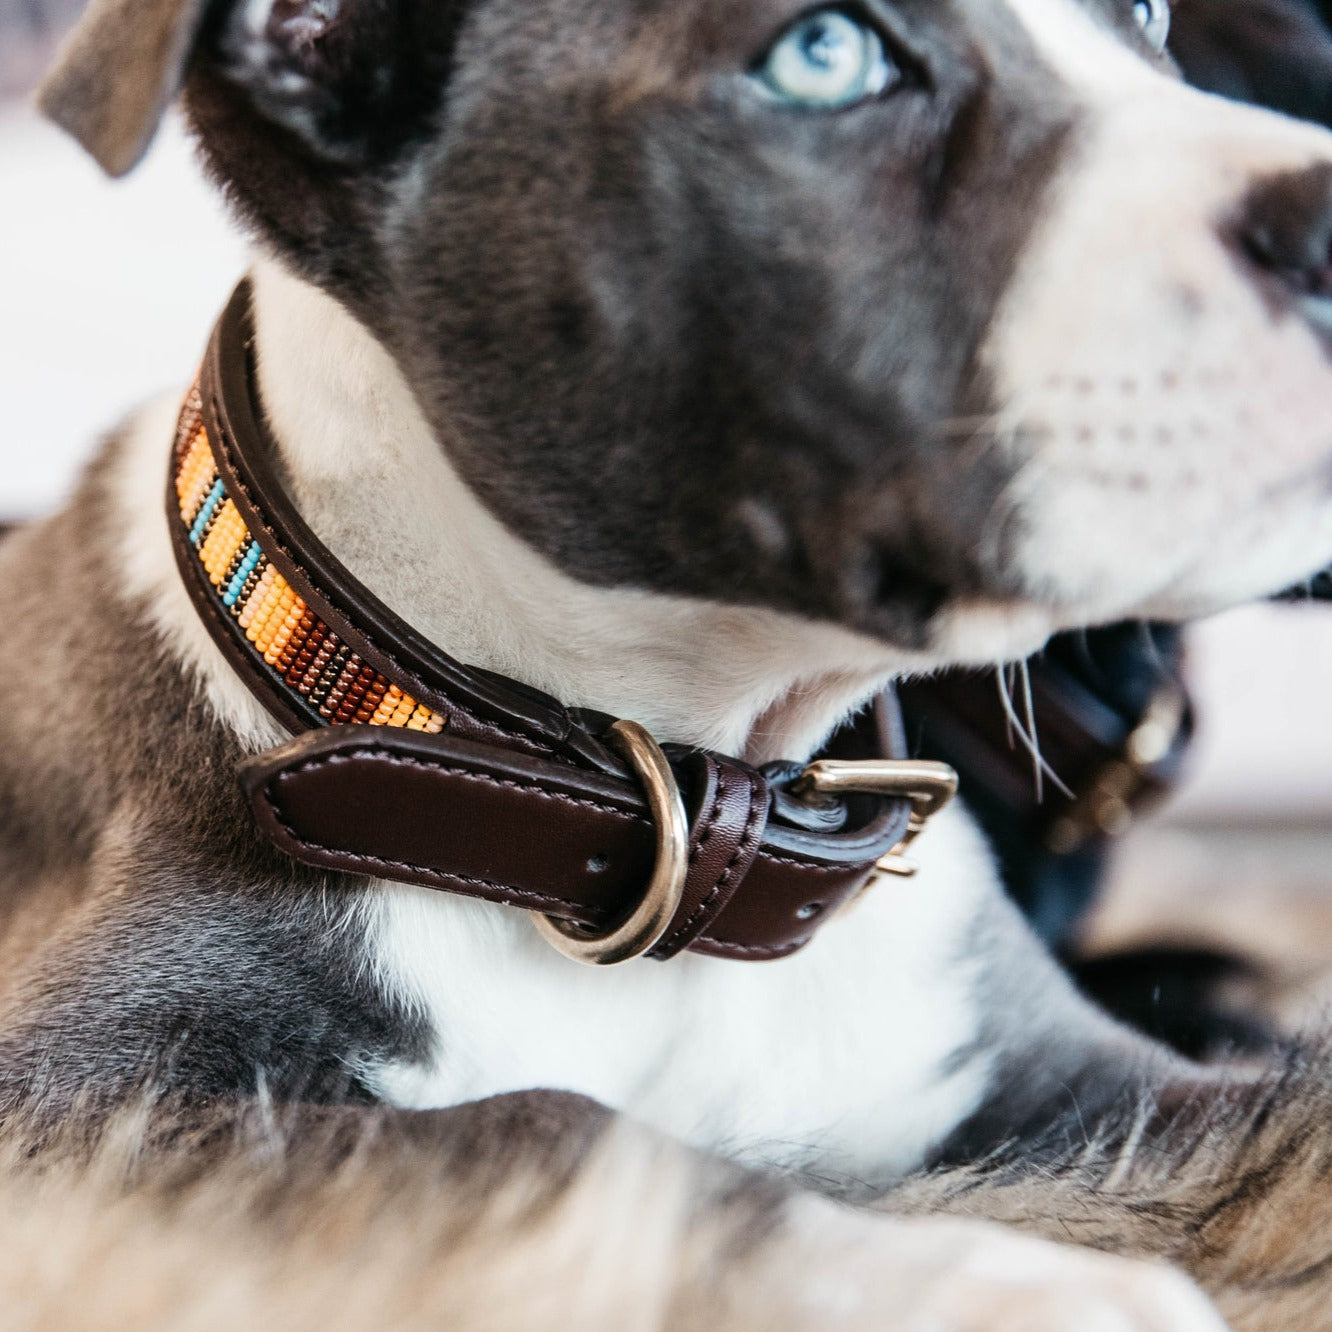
x=376 y=484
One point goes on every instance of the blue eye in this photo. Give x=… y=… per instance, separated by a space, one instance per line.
x=825 y=61
x=1153 y=17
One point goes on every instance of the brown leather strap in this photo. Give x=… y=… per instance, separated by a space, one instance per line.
x=517 y=800
x=445 y=812
x=727 y=835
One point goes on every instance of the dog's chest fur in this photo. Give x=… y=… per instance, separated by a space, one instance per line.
x=854 y=1057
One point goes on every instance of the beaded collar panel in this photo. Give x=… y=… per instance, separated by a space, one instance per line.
x=286 y=640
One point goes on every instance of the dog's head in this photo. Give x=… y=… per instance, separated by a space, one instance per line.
x=876 y=312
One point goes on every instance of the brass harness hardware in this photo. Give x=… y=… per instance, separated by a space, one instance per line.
x=929 y=786
x=1106 y=807
x=926 y=785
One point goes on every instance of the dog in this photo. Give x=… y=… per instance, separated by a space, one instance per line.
x=710 y=368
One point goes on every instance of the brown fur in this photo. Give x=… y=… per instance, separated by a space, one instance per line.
x=1238 y=1194
x=335 y=1222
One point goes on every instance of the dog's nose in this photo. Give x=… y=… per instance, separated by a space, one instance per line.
x=1285 y=228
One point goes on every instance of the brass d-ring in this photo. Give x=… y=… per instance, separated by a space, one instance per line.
x=652 y=916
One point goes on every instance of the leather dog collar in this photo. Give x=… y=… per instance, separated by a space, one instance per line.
x=409 y=766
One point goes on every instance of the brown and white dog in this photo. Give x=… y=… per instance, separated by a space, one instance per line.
x=706 y=364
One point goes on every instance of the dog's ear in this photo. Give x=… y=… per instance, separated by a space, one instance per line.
x=345 y=77
x=341 y=75
x=118 y=72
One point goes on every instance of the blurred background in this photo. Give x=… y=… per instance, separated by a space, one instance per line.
x=107 y=293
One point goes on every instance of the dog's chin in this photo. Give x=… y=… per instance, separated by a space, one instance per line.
x=1087 y=560
x=984 y=631
x=981 y=632
x=1282 y=568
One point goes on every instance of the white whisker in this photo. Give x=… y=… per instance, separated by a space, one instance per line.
x=1025 y=735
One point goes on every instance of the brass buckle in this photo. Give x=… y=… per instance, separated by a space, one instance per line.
x=652 y=916
x=929 y=786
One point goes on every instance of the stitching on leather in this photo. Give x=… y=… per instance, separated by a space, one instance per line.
x=807 y=865
x=746 y=834
x=759 y=950
x=776 y=950
x=381 y=753
x=546 y=901
x=710 y=823
x=224 y=443
x=667 y=945
x=543 y=901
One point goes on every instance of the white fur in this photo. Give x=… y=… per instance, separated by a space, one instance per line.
x=948 y=1275
x=1174 y=430
x=830 y=1058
